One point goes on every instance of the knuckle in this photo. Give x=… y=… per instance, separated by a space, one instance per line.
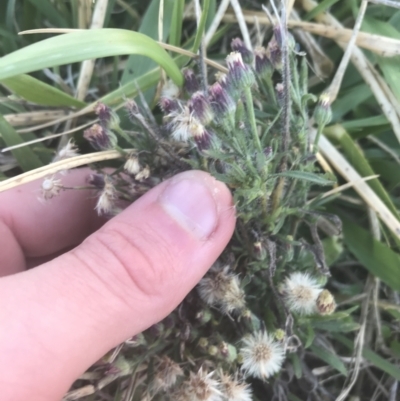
x=140 y=256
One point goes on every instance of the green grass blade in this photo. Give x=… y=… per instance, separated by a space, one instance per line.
x=47 y=9
x=35 y=91
x=359 y=162
x=324 y=5
x=201 y=27
x=330 y=358
x=86 y=45
x=375 y=256
x=175 y=35
x=306 y=176
x=25 y=157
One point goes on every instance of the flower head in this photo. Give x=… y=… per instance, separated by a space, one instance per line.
x=300 y=292
x=325 y=303
x=200 y=108
x=168 y=105
x=237 y=45
x=106 y=201
x=132 y=165
x=51 y=188
x=191 y=83
x=234 y=390
x=167 y=373
x=221 y=102
x=107 y=117
x=262 y=355
x=275 y=53
x=100 y=137
x=262 y=63
x=144 y=174
x=68 y=151
x=240 y=74
x=202 y=387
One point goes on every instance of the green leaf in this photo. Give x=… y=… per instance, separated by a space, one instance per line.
x=86 y=45
x=330 y=358
x=304 y=175
x=375 y=256
x=35 y=91
x=25 y=157
x=373 y=357
x=201 y=27
x=320 y=8
x=48 y=10
x=176 y=23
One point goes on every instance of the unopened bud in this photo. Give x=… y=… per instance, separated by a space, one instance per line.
x=279 y=334
x=120 y=367
x=237 y=45
x=228 y=351
x=262 y=63
x=323 y=111
x=132 y=108
x=108 y=118
x=200 y=107
x=280 y=93
x=275 y=54
x=326 y=304
x=132 y=165
x=191 y=84
x=240 y=74
x=260 y=253
x=97 y=180
x=203 y=316
x=168 y=105
x=221 y=103
x=212 y=350
x=100 y=137
x=203 y=343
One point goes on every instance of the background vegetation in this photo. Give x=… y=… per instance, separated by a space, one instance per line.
x=48 y=93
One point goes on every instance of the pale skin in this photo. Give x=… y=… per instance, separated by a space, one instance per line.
x=74 y=285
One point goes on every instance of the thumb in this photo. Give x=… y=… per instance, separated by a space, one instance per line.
x=64 y=315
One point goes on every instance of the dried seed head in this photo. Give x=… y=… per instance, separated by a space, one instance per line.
x=108 y=118
x=132 y=165
x=275 y=54
x=262 y=355
x=170 y=90
x=201 y=387
x=262 y=64
x=200 y=108
x=68 y=151
x=235 y=390
x=326 y=304
x=300 y=292
x=100 y=137
x=191 y=84
x=222 y=288
x=167 y=374
x=237 y=45
x=239 y=74
x=107 y=198
x=144 y=174
x=51 y=188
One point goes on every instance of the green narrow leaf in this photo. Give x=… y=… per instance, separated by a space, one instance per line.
x=375 y=256
x=202 y=26
x=331 y=359
x=25 y=157
x=86 y=45
x=304 y=175
x=320 y=8
x=176 y=23
x=136 y=64
x=38 y=92
x=48 y=10
x=373 y=357
x=359 y=162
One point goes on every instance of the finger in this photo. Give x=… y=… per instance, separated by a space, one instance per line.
x=64 y=315
x=31 y=227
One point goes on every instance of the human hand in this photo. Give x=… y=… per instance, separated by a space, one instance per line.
x=60 y=317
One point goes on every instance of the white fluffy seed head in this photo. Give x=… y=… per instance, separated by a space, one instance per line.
x=167 y=374
x=170 y=90
x=106 y=202
x=132 y=165
x=235 y=390
x=202 y=387
x=68 y=151
x=301 y=292
x=51 y=187
x=262 y=355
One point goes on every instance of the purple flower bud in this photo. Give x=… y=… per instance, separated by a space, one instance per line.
x=200 y=107
x=100 y=137
x=107 y=117
x=191 y=84
x=237 y=45
x=97 y=180
x=202 y=137
x=168 y=105
x=132 y=108
x=221 y=103
x=262 y=63
x=275 y=54
x=240 y=74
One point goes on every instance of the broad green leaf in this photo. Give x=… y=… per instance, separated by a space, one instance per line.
x=320 y=8
x=35 y=91
x=86 y=45
x=25 y=157
x=306 y=176
x=330 y=358
x=375 y=256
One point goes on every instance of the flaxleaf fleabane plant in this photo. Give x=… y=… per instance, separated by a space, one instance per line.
x=251 y=130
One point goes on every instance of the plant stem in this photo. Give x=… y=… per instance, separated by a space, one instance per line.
x=252 y=117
